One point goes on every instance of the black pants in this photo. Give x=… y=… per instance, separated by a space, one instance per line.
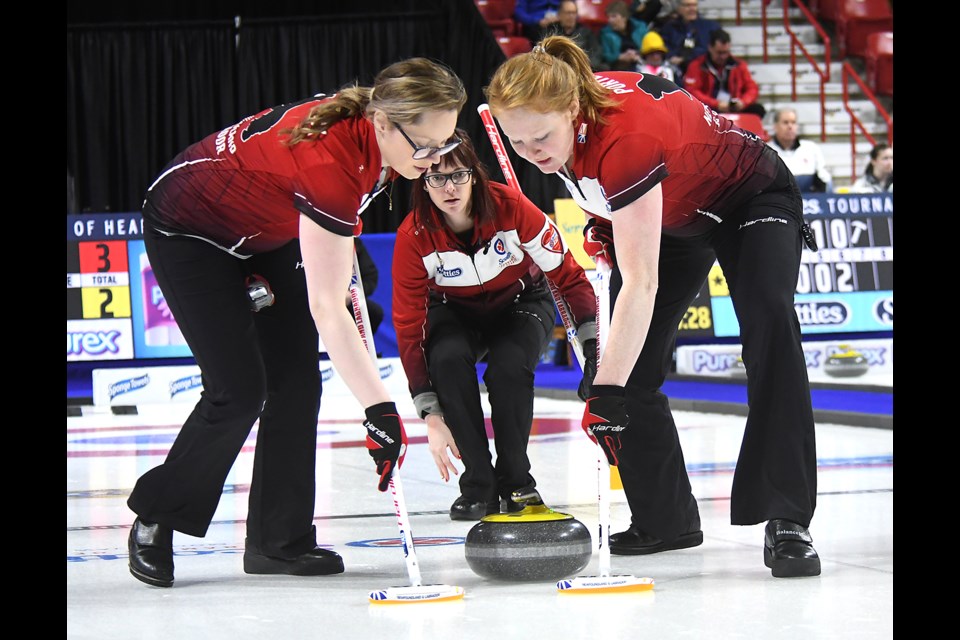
x=512 y=339
x=254 y=365
x=776 y=474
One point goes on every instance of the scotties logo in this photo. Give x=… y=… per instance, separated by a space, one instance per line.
x=827 y=313
x=449 y=273
x=883 y=311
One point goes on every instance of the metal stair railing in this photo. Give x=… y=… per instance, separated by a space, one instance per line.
x=795 y=42
x=847 y=72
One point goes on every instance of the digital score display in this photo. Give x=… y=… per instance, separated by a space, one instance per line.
x=856 y=254
x=847 y=284
x=112 y=298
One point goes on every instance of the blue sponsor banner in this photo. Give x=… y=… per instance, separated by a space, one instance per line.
x=843 y=204
x=104 y=226
x=821 y=313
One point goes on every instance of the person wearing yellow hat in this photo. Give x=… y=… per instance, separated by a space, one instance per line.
x=653 y=59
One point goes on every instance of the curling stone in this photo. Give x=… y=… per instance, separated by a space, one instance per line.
x=534 y=544
x=846 y=363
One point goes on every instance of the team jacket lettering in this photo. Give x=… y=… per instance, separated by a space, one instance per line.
x=505 y=258
x=661 y=134
x=244 y=189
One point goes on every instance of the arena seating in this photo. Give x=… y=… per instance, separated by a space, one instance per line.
x=879 y=60
x=513 y=45
x=825 y=9
x=592 y=13
x=857 y=19
x=498 y=14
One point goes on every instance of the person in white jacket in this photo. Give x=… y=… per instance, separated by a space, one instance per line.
x=878 y=176
x=804 y=158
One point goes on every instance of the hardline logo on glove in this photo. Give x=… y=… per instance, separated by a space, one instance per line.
x=604 y=428
x=380 y=433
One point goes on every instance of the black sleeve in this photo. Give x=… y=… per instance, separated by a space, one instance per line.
x=369 y=274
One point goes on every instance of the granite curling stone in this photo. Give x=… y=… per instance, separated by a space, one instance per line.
x=846 y=362
x=535 y=544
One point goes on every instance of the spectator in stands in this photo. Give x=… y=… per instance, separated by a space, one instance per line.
x=804 y=158
x=721 y=81
x=878 y=176
x=654 y=61
x=567 y=25
x=621 y=38
x=687 y=35
x=654 y=12
x=645 y=10
x=536 y=15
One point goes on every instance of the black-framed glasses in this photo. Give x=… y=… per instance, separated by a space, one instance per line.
x=420 y=153
x=439 y=180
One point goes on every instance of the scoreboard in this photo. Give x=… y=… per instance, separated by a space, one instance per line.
x=845 y=286
x=856 y=254
x=115 y=310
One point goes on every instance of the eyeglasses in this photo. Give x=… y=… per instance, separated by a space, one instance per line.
x=420 y=153
x=439 y=180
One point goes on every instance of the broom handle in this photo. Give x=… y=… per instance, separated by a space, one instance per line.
x=602 y=284
x=362 y=318
x=507 y=168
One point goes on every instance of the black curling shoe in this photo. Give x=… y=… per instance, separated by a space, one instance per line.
x=316 y=562
x=150 y=546
x=788 y=550
x=464 y=508
x=634 y=542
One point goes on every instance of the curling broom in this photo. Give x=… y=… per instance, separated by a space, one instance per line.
x=417 y=591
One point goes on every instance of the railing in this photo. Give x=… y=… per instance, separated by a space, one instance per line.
x=847 y=72
x=794 y=43
x=763 y=23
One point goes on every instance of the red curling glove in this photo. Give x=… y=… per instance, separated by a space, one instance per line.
x=598 y=240
x=605 y=418
x=386 y=440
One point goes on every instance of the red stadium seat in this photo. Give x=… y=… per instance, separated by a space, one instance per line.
x=879 y=60
x=857 y=19
x=592 y=13
x=498 y=14
x=824 y=9
x=514 y=45
x=749 y=122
